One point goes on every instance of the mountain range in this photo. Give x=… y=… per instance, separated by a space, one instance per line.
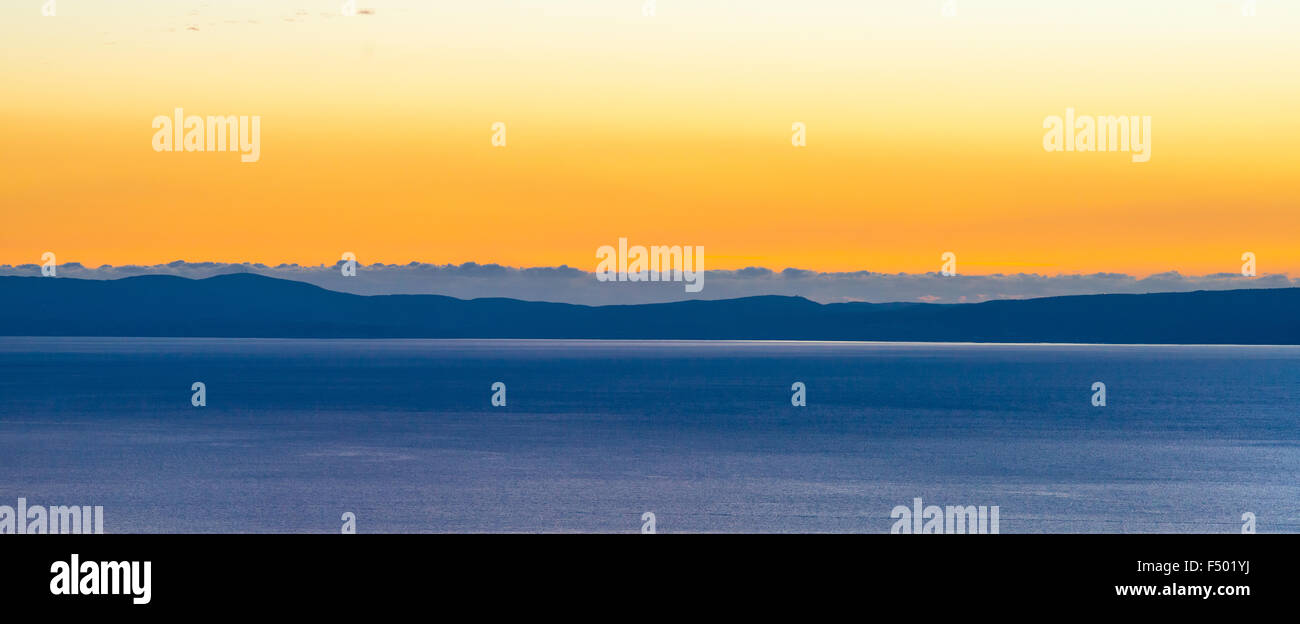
x=251 y=305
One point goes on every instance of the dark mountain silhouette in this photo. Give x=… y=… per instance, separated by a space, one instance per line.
x=248 y=305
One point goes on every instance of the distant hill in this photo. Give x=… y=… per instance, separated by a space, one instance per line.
x=248 y=305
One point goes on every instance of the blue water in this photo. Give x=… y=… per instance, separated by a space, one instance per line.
x=402 y=433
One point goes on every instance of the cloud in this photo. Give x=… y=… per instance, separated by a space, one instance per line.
x=567 y=284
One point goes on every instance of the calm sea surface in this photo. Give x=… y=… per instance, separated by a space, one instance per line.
x=403 y=434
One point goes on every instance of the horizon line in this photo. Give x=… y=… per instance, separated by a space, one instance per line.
x=495 y=265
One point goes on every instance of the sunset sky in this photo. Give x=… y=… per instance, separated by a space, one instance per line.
x=924 y=133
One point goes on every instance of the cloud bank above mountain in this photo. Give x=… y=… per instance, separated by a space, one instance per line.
x=570 y=285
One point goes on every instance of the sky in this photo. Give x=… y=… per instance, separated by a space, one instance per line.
x=924 y=133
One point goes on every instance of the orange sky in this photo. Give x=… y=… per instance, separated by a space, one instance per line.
x=924 y=133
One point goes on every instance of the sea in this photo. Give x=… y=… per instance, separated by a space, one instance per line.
x=403 y=436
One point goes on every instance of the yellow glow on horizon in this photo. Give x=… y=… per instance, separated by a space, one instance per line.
x=924 y=133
